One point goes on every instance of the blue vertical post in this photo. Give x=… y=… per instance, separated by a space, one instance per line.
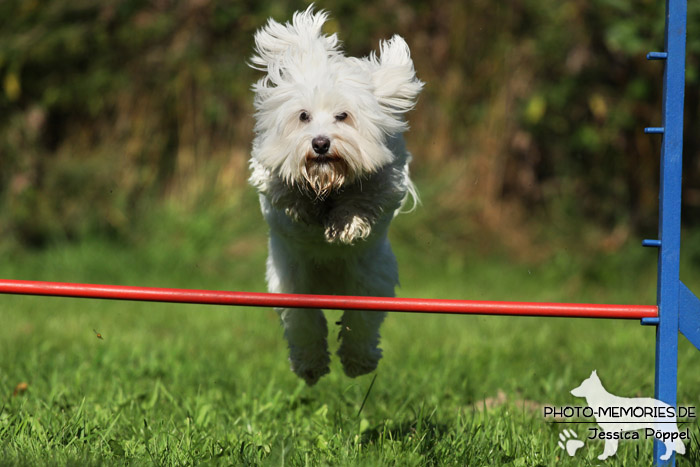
x=670 y=210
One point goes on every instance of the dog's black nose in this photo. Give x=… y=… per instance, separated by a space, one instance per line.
x=321 y=145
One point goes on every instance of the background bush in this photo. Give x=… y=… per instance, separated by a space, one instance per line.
x=533 y=109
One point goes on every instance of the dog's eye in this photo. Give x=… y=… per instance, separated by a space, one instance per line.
x=304 y=116
x=341 y=116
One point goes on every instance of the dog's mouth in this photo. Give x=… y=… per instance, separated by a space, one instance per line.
x=323 y=159
x=325 y=173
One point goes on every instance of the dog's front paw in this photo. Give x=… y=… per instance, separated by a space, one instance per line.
x=348 y=231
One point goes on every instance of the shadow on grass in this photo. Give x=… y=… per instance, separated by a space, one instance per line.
x=424 y=435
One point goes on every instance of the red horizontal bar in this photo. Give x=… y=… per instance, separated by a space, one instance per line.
x=333 y=302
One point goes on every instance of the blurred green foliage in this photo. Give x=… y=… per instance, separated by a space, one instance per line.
x=532 y=107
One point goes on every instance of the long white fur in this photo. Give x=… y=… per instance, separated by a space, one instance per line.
x=330 y=239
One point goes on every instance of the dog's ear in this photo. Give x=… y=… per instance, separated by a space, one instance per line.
x=395 y=84
x=275 y=41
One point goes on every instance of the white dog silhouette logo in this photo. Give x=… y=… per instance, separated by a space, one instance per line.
x=621 y=417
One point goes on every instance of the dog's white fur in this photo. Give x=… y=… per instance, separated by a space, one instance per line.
x=329 y=212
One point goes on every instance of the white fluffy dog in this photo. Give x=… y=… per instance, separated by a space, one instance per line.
x=331 y=168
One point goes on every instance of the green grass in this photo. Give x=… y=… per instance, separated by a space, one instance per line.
x=182 y=385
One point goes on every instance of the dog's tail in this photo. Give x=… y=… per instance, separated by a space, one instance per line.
x=411 y=197
x=678 y=446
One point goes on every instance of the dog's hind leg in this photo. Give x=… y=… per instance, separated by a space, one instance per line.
x=306 y=331
x=359 y=352
x=375 y=275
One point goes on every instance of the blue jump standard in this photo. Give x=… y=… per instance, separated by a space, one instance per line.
x=679 y=308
